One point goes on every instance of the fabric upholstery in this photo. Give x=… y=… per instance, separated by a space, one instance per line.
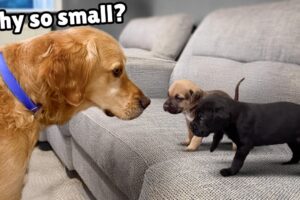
x=263 y=32
x=164 y=36
x=265 y=81
x=260 y=43
x=124 y=150
x=144 y=156
x=135 y=53
x=97 y=182
x=43 y=136
x=151 y=75
x=197 y=177
x=61 y=144
x=64 y=129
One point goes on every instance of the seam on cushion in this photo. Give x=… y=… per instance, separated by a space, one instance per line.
x=221 y=57
x=151 y=67
x=153 y=60
x=110 y=132
x=244 y=62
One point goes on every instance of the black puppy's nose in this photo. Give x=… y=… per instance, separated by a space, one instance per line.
x=145 y=102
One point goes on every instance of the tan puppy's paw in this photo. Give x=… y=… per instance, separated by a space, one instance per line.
x=191 y=148
x=195 y=143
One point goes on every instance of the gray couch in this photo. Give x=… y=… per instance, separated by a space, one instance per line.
x=142 y=159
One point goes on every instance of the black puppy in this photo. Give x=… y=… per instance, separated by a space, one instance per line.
x=248 y=125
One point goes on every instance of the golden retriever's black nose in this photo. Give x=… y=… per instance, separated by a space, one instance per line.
x=145 y=102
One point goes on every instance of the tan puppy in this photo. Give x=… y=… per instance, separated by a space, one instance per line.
x=65 y=72
x=183 y=96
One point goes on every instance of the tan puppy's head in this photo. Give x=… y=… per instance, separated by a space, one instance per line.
x=73 y=69
x=182 y=95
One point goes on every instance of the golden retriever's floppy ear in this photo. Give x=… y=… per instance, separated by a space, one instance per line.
x=66 y=68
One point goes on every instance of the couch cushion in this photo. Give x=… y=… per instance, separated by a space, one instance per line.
x=198 y=177
x=265 y=81
x=97 y=182
x=268 y=32
x=152 y=75
x=61 y=144
x=64 y=129
x=125 y=149
x=164 y=36
x=260 y=43
x=135 y=53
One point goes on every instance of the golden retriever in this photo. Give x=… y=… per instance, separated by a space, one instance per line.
x=65 y=72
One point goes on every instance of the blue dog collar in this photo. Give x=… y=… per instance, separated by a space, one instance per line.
x=14 y=86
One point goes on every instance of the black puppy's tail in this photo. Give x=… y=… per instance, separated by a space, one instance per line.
x=236 y=95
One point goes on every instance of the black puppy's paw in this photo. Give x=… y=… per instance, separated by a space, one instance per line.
x=226 y=172
x=213 y=148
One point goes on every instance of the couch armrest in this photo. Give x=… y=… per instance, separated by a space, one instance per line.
x=151 y=75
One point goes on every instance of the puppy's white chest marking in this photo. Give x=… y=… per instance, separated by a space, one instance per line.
x=189 y=117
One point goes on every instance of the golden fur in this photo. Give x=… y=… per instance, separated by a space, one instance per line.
x=66 y=72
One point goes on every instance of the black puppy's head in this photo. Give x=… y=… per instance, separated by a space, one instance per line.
x=212 y=114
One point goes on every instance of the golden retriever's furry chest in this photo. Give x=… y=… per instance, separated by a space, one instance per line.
x=12 y=113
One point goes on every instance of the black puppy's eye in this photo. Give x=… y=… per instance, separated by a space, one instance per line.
x=117 y=72
x=200 y=115
x=218 y=109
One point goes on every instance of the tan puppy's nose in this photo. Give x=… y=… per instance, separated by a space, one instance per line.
x=166 y=106
x=145 y=102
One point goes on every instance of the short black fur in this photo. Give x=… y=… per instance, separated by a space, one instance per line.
x=248 y=125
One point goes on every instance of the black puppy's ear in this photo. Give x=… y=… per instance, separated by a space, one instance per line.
x=196 y=96
x=221 y=113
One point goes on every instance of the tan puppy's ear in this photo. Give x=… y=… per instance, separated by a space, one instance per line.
x=196 y=96
x=66 y=71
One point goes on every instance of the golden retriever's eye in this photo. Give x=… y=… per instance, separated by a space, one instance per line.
x=117 y=72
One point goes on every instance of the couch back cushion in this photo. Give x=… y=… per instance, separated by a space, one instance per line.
x=260 y=43
x=164 y=36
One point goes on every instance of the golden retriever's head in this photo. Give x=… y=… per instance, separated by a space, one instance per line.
x=78 y=68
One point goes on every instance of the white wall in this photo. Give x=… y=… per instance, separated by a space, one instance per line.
x=8 y=37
